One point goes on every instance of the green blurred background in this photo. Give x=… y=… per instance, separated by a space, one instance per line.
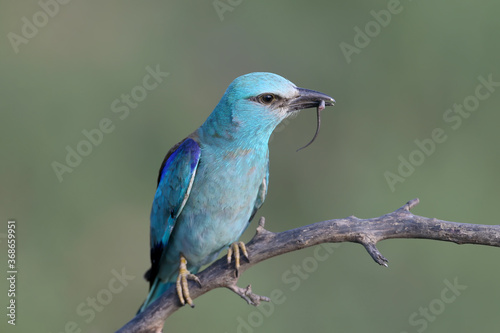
x=393 y=91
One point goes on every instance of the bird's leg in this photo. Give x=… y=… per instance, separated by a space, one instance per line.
x=235 y=248
x=182 y=285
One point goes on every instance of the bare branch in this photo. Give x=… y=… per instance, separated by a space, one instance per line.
x=265 y=244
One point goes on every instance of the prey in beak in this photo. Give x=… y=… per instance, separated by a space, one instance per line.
x=310 y=99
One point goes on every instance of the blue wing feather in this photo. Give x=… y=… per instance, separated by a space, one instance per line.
x=175 y=179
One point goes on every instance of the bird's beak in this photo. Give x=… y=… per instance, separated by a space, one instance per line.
x=309 y=99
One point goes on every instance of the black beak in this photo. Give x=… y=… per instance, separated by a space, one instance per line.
x=309 y=99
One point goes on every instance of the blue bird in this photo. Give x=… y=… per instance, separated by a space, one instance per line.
x=211 y=184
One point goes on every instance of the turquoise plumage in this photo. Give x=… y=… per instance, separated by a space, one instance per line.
x=211 y=184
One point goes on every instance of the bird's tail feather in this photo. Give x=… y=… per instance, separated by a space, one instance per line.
x=157 y=289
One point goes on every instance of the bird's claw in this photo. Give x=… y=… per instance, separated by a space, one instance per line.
x=182 y=285
x=235 y=249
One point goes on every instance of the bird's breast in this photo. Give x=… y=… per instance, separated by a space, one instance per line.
x=221 y=201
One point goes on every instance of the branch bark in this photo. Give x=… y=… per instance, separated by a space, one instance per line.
x=265 y=244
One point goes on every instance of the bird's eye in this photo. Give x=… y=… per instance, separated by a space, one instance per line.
x=266 y=98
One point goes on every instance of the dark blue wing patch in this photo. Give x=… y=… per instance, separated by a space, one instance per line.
x=175 y=179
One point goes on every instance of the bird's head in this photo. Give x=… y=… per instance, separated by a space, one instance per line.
x=254 y=104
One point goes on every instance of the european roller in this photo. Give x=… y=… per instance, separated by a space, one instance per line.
x=211 y=184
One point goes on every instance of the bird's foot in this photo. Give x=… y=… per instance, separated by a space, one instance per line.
x=182 y=285
x=235 y=249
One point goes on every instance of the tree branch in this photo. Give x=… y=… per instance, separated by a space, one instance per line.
x=265 y=244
